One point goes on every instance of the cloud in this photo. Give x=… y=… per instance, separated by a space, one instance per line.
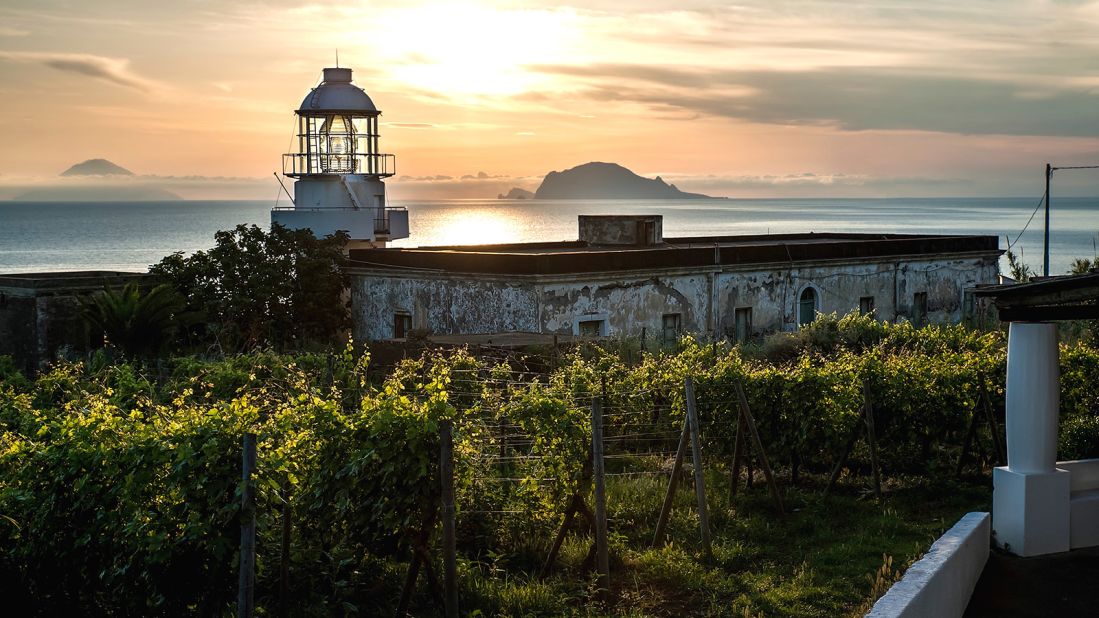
x=846 y=98
x=821 y=184
x=410 y=125
x=112 y=70
x=9 y=31
x=435 y=178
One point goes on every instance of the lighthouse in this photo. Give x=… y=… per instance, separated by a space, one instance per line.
x=337 y=168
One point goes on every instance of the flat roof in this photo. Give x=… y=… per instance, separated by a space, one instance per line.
x=1066 y=297
x=65 y=279
x=554 y=258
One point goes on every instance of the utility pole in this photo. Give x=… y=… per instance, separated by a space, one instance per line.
x=1045 y=261
x=1049 y=176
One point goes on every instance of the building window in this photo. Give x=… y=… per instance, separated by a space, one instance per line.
x=402 y=324
x=590 y=328
x=807 y=306
x=866 y=305
x=672 y=324
x=742 y=319
x=919 y=308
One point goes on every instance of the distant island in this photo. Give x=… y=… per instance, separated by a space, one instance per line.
x=97 y=167
x=98 y=172
x=516 y=193
x=599 y=180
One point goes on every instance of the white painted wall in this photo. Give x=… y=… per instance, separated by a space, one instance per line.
x=940 y=583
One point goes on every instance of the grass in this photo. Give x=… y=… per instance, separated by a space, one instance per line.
x=828 y=556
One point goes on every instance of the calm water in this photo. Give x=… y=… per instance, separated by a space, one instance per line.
x=37 y=236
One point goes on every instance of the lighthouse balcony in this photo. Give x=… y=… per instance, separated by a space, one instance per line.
x=374 y=224
x=296 y=165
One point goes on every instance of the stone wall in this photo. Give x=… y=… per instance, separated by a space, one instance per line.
x=442 y=303
x=40 y=313
x=621 y=229
x=705 y=298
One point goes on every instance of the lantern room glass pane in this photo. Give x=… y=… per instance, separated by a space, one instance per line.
x=336 y=145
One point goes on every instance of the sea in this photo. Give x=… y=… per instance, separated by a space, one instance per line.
x=129 y=236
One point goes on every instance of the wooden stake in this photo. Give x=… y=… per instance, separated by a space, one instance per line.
x=868 y=414
x=247 y=583
x=570 y=515
x=414 y=565
x=699 y=473
x=838 y=469
x=738 y=455
x=994 y=427
x=284 y=559
x=409 y=585
x=602 y=556
x=432 y=579
x=763 y=463
x=673 y=482
x=970 y=433
x=576 y=505
x=446 y=474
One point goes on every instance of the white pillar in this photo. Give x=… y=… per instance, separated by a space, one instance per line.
x=1033 y=397
x=1030 y=498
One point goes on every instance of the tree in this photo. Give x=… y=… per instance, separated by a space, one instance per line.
x=281 y=288
x=139 y=324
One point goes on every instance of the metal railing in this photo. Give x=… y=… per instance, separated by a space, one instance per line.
x=381 y=222
x=302 y=164
x=381 y=217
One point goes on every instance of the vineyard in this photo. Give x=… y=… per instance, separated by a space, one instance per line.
x=120 y=483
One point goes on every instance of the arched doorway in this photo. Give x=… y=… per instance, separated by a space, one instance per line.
x=807 y=306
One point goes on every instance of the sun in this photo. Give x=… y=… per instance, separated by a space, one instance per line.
x=471 y=49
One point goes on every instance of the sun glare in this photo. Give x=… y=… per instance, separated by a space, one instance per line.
x=470 y=49
x=476 y=227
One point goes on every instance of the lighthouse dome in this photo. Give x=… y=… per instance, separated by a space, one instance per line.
x=337 y=94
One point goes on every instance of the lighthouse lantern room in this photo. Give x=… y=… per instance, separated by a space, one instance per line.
x=337 y=170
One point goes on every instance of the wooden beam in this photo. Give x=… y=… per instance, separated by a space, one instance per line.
x=1048 y=313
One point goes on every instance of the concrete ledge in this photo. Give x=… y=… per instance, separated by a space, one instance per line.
x=1085 y=473
x=940 y=583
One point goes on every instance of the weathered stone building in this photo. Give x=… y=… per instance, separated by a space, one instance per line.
x=622 y=278
x=40 y=313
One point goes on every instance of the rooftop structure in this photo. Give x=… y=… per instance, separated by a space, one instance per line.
x=338 y=169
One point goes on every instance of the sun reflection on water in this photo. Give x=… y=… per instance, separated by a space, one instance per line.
x=473 y=227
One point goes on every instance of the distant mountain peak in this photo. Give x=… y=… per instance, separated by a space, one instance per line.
x=97 y=167
x=601 y=180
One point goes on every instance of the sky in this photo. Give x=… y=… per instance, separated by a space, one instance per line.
x=748 y=99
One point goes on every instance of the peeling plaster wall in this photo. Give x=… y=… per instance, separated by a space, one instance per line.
x=773 y=294
x=621 y=229
x=705 y=298
x=442 y=304
x=627 y=304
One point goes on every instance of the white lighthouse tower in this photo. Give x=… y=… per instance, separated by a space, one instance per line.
x=337 y=170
